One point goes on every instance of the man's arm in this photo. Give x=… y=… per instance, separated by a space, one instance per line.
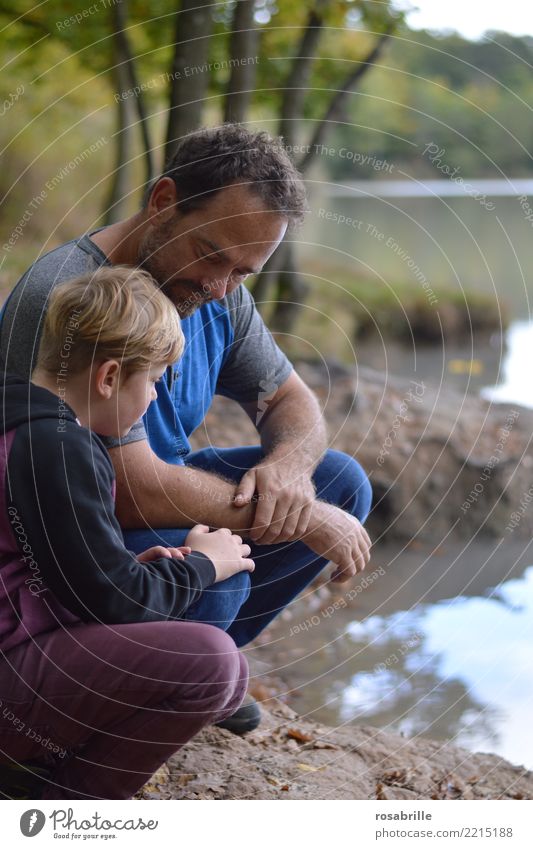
x=153 y=493
x=293 y=437
x=170 y=496
x=291 y=424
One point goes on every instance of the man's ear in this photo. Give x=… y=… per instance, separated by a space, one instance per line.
x=162 y=202
x=107 y=378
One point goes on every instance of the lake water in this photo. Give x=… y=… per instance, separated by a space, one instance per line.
x=408 y=231
x=441 y=643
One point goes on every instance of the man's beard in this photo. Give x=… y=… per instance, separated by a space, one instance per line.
x=186 y=295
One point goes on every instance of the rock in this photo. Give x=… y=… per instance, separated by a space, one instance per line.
x=437 y=460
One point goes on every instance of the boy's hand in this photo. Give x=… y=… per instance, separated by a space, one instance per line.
x=226 y=551
x=158 y=551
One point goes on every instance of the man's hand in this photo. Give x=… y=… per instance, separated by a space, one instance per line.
x=293 y=438
x=284 y=505
x=341 y=538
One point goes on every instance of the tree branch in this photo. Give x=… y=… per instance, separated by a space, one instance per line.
x=354 y=77
x=297 y=81
x=41 y=26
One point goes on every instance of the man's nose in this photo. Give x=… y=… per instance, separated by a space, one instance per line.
x=217 y=288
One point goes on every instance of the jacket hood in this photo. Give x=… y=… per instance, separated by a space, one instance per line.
x=23 y=401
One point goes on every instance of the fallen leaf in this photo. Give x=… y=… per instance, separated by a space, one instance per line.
x=184 y=779
x=380 y=792
x=280 y=709
x=399 y=776
x=298 y=735
x=208 y=781
x=261 y=692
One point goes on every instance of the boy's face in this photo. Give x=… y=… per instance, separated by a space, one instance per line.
x=130 y=400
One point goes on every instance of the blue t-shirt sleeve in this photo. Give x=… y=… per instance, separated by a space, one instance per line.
x=255 y=364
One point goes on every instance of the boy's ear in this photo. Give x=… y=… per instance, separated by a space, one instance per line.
x=107 y=378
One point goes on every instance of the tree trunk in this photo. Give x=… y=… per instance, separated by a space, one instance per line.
x=117 y=200
x=269 y=273
x=119 y=13
x=190 y=71
x=292 y=294
x=290 y=287
x=243 y=46
x=294 y=91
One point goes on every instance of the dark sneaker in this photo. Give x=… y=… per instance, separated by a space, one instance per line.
x=23 y=781
x=245 y=719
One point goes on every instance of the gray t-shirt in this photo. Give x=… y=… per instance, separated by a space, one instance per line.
x=253 y=355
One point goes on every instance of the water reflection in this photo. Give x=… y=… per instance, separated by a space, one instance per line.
x=459 y=670
x=440 y=646
x=515 y=387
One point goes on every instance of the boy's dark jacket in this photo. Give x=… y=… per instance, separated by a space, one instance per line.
x=62 y=554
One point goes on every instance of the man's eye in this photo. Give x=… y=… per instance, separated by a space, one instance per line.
x=213 y=258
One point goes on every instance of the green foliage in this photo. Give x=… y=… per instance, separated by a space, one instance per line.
x=472 y=99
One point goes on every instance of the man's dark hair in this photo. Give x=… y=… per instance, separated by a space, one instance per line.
x=212 y=158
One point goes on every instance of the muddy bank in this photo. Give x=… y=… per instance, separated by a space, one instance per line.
x=291 y=758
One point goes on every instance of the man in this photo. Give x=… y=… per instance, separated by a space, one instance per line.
x=216 y=215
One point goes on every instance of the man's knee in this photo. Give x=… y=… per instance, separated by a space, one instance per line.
x=341 y=480
x=220 y=604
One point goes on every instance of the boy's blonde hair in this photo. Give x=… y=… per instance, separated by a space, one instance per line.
x=115 y=313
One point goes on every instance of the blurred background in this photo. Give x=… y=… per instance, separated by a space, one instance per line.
x=409 y=284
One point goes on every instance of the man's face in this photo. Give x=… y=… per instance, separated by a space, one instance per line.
x=205 y=254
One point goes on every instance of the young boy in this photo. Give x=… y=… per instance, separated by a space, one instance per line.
x=100 y=681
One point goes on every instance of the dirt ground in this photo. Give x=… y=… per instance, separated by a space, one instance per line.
x=291 y=758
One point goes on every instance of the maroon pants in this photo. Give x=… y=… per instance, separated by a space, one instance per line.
x=106 y=705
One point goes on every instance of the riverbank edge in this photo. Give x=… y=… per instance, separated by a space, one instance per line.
x=289 y=757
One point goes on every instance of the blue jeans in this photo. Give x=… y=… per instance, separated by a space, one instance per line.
x=245 y=603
